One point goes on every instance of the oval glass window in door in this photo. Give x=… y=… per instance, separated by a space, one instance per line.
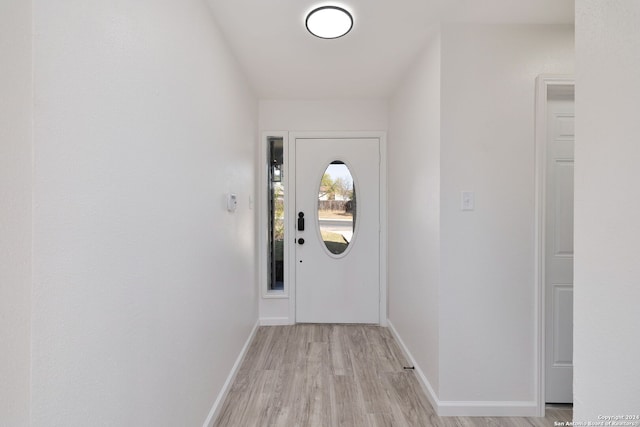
x=337 y=207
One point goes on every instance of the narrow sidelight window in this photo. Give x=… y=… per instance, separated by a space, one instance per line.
x=275 y=204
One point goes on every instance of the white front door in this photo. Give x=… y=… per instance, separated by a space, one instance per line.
x=337 y=197
x=559 y=251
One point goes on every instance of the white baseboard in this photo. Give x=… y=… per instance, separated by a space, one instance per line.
x=217 y=405
x=422 y=379
x=452 y=408
x=274 y=321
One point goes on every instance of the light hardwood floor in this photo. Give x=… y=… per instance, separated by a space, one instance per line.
x=337 y=375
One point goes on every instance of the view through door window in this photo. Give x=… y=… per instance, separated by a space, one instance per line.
x=337 y=207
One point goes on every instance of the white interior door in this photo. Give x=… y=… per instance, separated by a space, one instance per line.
x=559 y=250
x=338 y=251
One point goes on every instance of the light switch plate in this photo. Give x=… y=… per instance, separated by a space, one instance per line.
x=468 y=201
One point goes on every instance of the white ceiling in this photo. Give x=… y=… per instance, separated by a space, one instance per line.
x=282 y=60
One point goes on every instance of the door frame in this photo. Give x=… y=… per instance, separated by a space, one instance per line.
x=544 y=83
x=382 y=272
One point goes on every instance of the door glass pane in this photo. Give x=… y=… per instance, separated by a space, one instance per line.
x=337 y=207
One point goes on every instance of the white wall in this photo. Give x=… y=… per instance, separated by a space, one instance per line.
x=144 y=287
x=487 y=290
x=315 y=115
x=16 y=107
x=414 y=210
x=462 y=283
x=323 y=115
x=607 y=231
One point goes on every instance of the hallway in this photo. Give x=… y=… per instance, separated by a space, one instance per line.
x=337 y=375
x=133 y=211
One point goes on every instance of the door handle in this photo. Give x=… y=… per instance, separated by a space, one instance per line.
x=301 y=241
x=301 y=221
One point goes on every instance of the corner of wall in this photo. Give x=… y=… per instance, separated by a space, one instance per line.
x=414 y=211
x=16 y=210
x=214 y=413
x=607 y=232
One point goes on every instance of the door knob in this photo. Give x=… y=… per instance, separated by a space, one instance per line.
x=301 y=241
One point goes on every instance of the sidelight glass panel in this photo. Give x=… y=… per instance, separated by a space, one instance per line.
x=275 y=169
x=337 y=207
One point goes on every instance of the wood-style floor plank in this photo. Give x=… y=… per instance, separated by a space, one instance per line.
x=338 y=375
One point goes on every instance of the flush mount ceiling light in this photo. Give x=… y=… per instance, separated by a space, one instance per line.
x=329 y=22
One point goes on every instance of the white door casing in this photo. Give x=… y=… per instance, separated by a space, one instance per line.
x=338 y=288
x=558 y=249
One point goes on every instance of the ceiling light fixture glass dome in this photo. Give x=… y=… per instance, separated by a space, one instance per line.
x=329 y=22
